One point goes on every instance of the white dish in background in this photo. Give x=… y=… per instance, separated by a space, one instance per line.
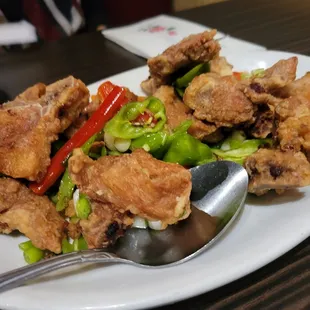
x=268 y=227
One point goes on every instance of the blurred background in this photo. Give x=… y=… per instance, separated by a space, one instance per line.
x=26 y=21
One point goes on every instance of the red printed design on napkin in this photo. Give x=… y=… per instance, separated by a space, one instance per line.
x=171 y=31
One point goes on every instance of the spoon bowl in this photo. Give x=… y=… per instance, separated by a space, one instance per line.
x=218 y=194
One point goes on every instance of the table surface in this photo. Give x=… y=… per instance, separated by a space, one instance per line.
x=276 y=24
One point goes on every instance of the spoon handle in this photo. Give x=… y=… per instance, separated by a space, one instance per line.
x=21 y=275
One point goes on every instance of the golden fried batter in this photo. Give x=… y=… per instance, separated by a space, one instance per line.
x=34 y=216
x=218 y=100
x=32 y=121
x=104 y=225
x=298 y=88
x=221 y=66
x=177 y=112
x=135 y=182
x=293 y=130
x=275 y=169
x=264 y=90
x=279 y=75
x=264 y=124
x=196 y=48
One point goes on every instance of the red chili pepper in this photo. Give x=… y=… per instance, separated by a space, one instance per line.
x=104 y=90
x=237 y=75
x=145 y=118
x=96 y=122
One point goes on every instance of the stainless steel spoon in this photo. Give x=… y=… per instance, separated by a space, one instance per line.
x=218 y=194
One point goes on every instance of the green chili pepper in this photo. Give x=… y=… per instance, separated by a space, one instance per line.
x=246 y=148
x=33 y=255
x=184 y=81
x=94 y=155
x=66 y=187
x=54 y=198
x=188 y=151
x=257 y=73
x=114 y=153
x=104 y=151
x=80 y=244
x=74 y=219
x=65 y=192
x=237 y=160
x=87 y=145
x=181 y=129
x=180 y=91
x=122 y=124
x=66 y=246
x=83 y=207
x=150 y=142
x=25 y=245
x=234 y=141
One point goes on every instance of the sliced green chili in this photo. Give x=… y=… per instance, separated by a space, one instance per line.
x=83 y=207
x=33 y=255
x=188 y=151
x=123 y=125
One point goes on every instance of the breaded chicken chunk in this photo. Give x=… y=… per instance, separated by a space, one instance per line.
x=263 y=90
x=31 y=122
x=104 y=225
x=34 y=216
x=221 y=66
x=196 y=48
x=279 y=75
x=275 y=169
x=293 y=130
x=297 y=88
x=218 y=100
x=135 y=182
x=177 y=112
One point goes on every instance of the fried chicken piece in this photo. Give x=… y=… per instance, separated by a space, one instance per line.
x=263 y=90
x=292 y=107
x=293 y=130
x=32 y=93
x=264 y=124
x=35 y=216
x=104 y=225
x=74 y=230
x=177 y=112
x=294 y=134
x=298 y=88
x=275 y=169
x=218 y=100
x=196 y=48
x=279 y=75
x=221 y=66
x=31 y=122
x=258 y=96
x=135 y=182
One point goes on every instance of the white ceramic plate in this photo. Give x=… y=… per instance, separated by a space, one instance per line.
x=268 y=227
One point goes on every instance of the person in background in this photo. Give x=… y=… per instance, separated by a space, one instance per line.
x=52 y=20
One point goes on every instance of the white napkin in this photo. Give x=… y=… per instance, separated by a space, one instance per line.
x=152 y=36
x=17 y=33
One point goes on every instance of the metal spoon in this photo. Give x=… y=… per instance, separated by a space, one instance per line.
x=218 y=194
